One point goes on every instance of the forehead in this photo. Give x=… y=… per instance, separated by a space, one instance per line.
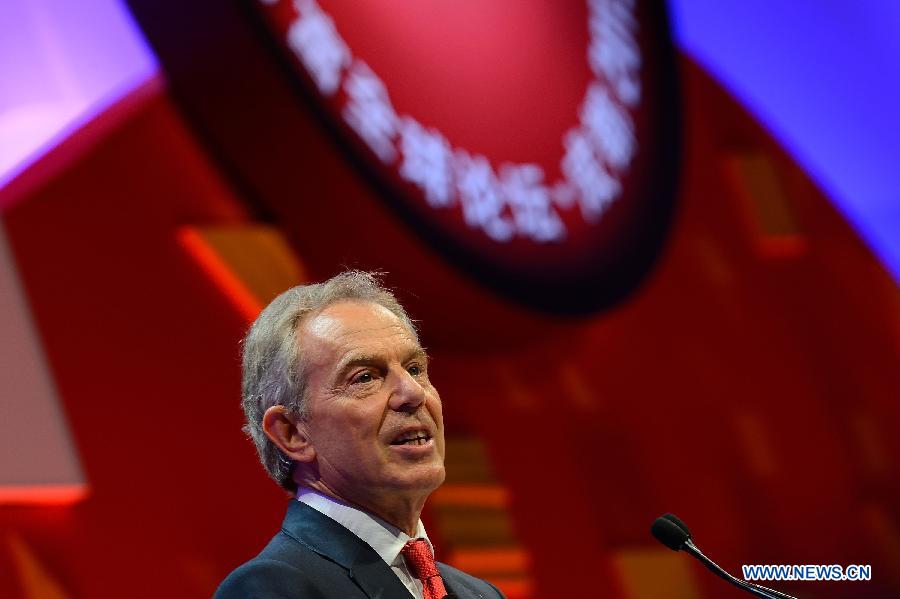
x=346 y=326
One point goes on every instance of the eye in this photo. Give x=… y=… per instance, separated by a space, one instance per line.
x=414 y=369
x=363 y=377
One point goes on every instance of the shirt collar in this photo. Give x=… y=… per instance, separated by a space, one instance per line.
x=386 y=539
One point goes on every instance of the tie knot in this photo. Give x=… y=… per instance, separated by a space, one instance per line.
x=420 y=561
x=418 y=557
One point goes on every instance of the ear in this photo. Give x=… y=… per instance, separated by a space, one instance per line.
x=289 y=433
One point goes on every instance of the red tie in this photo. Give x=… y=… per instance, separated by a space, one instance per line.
x=419 y=559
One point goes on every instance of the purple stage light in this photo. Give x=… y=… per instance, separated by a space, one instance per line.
x=821 y=76
x=62 y=63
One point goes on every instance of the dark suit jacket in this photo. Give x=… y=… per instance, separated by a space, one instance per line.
x=314 y=557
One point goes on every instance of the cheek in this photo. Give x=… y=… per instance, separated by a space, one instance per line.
x=363 y=425
x=437 y=409
x=342 y=431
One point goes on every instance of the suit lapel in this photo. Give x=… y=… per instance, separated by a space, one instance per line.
x=376 y=578
x=331 y=540
x=456 y=588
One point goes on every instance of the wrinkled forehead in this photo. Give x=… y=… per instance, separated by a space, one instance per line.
x=345 y=326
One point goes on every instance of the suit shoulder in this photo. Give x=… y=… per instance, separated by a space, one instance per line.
x=262 y=577
x=281 y=570
x=479 y=587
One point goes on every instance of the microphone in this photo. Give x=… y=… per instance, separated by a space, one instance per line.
x=669 y=530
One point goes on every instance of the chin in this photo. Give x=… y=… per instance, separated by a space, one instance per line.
x=426 y=479
x=438 y=478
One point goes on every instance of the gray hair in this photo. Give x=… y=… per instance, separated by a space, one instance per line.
x=273 y=367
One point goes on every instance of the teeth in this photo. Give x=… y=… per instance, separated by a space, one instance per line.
x=413 y=438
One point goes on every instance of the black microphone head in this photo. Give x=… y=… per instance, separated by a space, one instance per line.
x=677 y=522
x=669 y=534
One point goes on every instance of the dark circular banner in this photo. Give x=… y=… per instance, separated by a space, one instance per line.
x=535 y=143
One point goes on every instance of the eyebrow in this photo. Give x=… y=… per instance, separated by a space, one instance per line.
x=355 y=360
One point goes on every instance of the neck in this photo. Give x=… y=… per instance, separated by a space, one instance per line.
x=402 y=512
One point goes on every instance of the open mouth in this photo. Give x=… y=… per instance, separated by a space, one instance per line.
x=412 y=438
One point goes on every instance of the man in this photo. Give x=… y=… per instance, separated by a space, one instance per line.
x=338 y=402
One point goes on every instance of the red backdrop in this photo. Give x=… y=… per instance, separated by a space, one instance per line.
x=750 y=386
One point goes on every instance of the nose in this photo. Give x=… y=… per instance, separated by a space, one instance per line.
x=407 y=394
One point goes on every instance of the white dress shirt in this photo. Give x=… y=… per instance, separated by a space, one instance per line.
x=387 y=540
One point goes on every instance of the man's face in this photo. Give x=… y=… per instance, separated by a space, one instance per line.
x=374 y=419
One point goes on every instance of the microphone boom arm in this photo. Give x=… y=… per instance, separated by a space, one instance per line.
x=755 y=589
